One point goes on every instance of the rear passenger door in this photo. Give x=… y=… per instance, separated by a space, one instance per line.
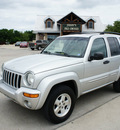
x=114 y=58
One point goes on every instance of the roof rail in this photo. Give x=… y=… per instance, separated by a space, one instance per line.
x=110 y=33
x=85 y=32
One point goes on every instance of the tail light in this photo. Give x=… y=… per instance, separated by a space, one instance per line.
x=35 y=44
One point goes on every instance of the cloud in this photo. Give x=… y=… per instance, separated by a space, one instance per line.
x=8 y=4
x=21 y=14
x=95 y=3
x=13 y=4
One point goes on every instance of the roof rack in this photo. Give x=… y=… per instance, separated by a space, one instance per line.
x=110 y=33
x=85 y=32
x=116 y=33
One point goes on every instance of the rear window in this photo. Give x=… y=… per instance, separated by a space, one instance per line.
x=38 y=41
x=44 y=41
x=114 y=46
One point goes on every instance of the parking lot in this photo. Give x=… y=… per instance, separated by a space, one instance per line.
x=15 y=117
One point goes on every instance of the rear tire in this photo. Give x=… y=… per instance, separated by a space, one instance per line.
x=60 y=104
x=32 y=48
x=39 y=47
x=116 y=86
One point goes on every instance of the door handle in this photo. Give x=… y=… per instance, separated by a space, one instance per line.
x=106 y=62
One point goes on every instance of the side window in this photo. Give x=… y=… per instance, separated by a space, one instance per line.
x=114 y=46
x=99 y=46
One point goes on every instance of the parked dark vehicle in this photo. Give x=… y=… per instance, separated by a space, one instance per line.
x=38 y=44
x=24 y=44
x=17 y=43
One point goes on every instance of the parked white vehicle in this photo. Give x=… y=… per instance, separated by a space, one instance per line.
x=69 y=67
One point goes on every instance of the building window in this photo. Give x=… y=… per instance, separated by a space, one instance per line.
x=90 y=24
x=52 y=37
x=49 y=25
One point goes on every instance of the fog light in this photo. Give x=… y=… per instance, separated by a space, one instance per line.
x=31 y=95
x=28 y=104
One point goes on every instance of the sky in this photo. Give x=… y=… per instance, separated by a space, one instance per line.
x=21 y=14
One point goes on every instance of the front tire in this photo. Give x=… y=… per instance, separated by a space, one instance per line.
x=116 y=86
x=59 y=104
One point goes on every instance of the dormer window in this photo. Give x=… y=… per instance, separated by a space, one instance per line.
x=49 y=22
x=90 y=24
x=49 y=25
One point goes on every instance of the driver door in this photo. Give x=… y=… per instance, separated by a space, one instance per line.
x=96 y=71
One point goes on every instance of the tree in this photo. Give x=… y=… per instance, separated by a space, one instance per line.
x=114 y=28
x=3 y=36
x=13 y=36
x=30 y=35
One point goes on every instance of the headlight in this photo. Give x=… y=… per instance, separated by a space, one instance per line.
x=30 y=78
x=1 y=73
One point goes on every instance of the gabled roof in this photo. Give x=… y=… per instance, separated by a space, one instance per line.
x=71 y=17
x=91 y=18
x=49 y=17
x=40 y=24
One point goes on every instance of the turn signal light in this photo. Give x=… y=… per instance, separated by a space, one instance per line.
x=31 y=95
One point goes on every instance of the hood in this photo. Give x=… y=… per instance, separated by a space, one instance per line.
x=40 y=63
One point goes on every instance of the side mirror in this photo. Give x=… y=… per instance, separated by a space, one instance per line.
x=96 y=56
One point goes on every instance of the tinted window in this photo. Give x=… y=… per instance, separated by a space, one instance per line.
x=99 y=46
x=45 y=41
x=38 y=41
x=114 y=46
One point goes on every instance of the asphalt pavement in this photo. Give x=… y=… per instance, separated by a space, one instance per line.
x=105 y=117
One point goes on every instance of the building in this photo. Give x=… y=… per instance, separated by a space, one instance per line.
x=50 y=27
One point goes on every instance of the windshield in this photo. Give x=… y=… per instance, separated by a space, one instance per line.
x=68 y=46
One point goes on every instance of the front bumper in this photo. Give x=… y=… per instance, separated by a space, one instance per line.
x=17 y=95
x=33 y=47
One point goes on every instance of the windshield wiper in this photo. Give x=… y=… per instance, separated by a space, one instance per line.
x=46 y=52
x=62 y=53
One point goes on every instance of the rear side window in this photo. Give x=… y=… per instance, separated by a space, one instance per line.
x=114 y=46
x=38 y=41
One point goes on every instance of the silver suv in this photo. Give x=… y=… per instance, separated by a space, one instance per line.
x=69 y=67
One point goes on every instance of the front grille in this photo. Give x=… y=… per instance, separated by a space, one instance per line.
x=12 y=79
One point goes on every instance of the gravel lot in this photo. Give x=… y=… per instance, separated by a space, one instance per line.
x=15 y=117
